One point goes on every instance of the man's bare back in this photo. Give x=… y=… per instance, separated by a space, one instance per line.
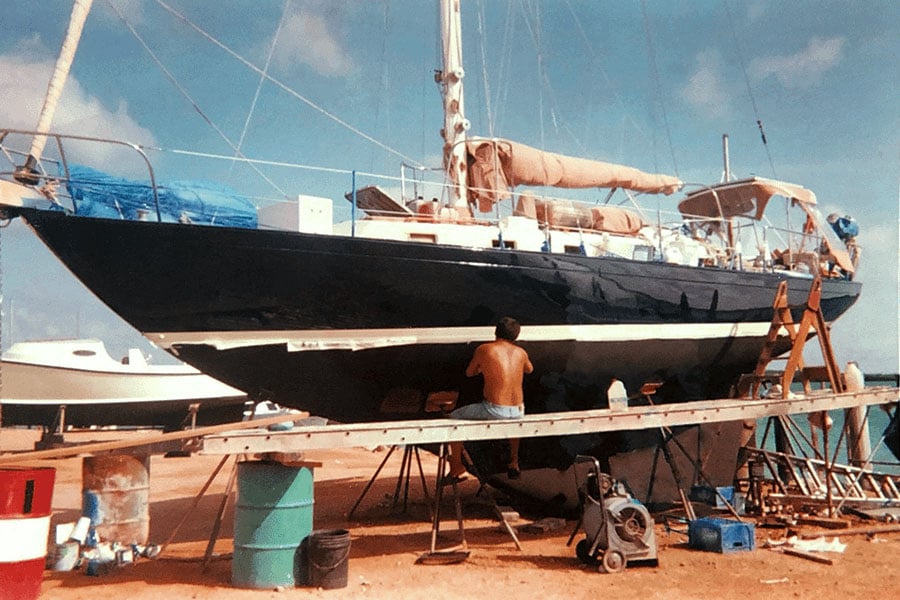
x=503 y=365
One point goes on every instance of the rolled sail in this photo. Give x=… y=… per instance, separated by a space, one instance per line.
x=497 y=166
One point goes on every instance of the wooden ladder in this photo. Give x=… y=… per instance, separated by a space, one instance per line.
x=807 y=479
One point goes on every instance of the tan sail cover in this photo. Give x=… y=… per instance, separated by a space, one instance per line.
x=742 y=198
x=497 y=166
x=575 y=215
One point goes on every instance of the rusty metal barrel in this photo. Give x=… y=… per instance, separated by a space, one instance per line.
x=25 y=501
x=116 y=497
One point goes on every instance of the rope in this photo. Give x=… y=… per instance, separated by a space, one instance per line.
x=740 y=52
x=185 y=93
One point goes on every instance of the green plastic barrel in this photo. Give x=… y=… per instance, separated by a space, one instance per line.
x=273 y=515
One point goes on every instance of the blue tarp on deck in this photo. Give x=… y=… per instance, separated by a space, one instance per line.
x=96 y=194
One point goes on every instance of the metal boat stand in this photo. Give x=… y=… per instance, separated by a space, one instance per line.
x=53 y=436
x=409 y=451
x=454 y=554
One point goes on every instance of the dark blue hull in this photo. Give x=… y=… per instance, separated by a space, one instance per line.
x=355 y=329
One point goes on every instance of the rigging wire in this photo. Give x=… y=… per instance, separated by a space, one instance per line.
x=504 y=68
x=534 y=30
x=559 y=123
x=284 y=86
x=759 y=125
x=597 y=63
x=484 y=74
x=240 y=144
x=187 y=96
x=655 y=73
x=383 y=71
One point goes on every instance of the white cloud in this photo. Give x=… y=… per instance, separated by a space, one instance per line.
x=310 y=37
x=868 y=332
x=804 y=68
x=24 y=75
x=705 y=90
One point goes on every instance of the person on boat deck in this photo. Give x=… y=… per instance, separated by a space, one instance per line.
x=503 y=363
x=846 y=228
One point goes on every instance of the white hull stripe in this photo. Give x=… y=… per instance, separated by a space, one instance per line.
x=362 y=339
x=114 y=402
x=23 y=539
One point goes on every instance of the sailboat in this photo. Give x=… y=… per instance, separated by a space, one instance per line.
x=366 y=319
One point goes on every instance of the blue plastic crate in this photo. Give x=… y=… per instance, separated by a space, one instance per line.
x=708 y=495
x=721 y=535
x=726 y=492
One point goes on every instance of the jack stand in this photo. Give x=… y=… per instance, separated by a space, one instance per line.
x=190 y=420
x=460 y=552
x=189 y=423
x=405 y=474
x=52 y=437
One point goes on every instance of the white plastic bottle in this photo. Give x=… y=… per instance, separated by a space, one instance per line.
x=617 y=395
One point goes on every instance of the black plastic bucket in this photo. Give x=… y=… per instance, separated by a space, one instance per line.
x=327 y=554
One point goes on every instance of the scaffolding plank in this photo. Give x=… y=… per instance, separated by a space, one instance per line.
x=430 y=431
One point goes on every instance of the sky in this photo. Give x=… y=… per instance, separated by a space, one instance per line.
x=651 y=84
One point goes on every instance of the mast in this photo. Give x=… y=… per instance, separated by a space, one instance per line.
x=80 y=9
x=455 y=123
x=726 y=176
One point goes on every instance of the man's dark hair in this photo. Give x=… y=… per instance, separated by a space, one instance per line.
x=507 y=329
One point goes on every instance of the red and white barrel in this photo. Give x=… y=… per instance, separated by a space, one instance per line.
x=25 y=500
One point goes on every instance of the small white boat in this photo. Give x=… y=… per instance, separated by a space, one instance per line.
x=41 y=376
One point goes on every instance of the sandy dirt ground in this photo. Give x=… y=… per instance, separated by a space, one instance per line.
x=386 y=541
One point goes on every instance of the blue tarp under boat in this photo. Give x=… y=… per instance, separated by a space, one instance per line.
x=97 y=194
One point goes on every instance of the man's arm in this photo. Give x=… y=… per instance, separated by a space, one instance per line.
x=474 y=367
x=528 y=367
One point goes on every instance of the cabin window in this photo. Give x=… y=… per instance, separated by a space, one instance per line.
x=425 y=238
x=575 y=250
x=507 y=244
x=84 y=353
x=644 y=253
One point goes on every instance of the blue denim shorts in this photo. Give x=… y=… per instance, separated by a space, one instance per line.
x=486 y=411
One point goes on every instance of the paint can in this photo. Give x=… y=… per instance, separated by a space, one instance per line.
x=65 y=556
x=116 y=497
x=25 y=501
x=273 y=516
x=80 y=531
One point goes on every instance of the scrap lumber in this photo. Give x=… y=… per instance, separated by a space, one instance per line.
x=860 y=531
x=813 y=556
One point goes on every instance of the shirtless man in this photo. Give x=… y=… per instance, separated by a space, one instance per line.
x=503 y=364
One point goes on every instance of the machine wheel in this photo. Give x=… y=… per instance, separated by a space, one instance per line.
x=583 y=552
x=613 y=562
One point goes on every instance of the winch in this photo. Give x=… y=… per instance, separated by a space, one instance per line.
x=618 y=528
